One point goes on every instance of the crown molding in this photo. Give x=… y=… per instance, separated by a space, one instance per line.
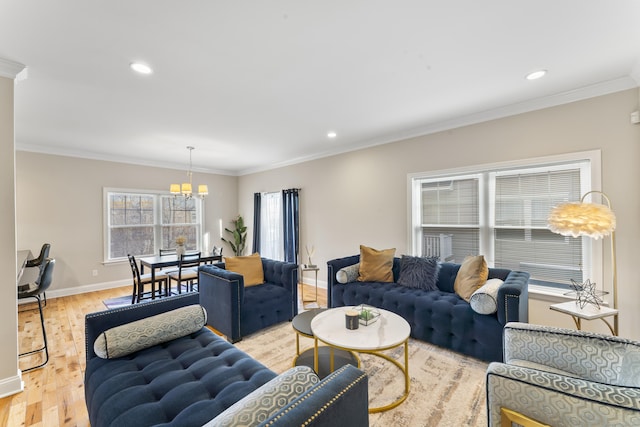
x=12 y=69
x=40 y=149
x=579 y=94
x=591 y=91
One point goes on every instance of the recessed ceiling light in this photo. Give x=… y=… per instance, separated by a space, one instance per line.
x=141 y=68
x=534 y=75
x=331 y=135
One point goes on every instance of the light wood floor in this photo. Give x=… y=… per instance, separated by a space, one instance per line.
x=54 y=394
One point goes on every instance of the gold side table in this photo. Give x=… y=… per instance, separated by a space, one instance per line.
x=315 y=270
x=588 y=312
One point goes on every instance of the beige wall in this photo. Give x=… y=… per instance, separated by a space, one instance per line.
x=10 y=378
x=361 y=197
x=60 y=201
x=348 y=199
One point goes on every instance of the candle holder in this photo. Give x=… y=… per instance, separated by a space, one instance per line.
x=351 y=319
x=367 y=314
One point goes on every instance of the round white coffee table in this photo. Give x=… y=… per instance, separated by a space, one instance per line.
x=389 y=331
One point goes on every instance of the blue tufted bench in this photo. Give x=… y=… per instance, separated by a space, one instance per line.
x=235 y=310
x=195 y=379
x=440 y=317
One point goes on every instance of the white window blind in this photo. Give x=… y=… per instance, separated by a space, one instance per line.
x=450 y=212
x=501 y=212
x=523 y=200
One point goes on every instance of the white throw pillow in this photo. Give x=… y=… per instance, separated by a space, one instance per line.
x=485 y=299
x=348 y=274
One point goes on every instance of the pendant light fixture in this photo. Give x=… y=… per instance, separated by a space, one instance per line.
x=186 y=188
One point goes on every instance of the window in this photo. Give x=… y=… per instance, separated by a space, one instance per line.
x=271 y=226
x=501 y=211
x=140 y=223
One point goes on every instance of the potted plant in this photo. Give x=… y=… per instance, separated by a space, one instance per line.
x=238 y=238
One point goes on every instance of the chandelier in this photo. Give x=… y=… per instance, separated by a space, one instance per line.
x=186 y=188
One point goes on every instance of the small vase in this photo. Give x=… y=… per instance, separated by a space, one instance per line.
x=180 y=250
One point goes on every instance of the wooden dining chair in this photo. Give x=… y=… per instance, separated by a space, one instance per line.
x=140 y=280
x=169 y=270
x=187 y=273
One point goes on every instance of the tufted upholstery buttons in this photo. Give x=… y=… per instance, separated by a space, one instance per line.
x=188 y=380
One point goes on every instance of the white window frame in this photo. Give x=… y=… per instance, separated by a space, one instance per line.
x=592 y=249
x=157 y=222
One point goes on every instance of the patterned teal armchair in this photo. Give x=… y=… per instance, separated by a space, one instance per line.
x=563 y=377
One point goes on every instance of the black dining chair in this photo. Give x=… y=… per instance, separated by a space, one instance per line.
x=44 y=254
x=140 y=280
x=34 y=290
x=168 y=252
x=187 y=272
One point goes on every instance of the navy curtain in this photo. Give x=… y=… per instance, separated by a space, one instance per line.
x=257 y=201
x=291 y=218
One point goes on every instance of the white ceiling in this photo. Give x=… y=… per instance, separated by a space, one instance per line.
x=258 y=84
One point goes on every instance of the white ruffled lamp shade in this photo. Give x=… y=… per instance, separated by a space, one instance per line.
x=582 y=219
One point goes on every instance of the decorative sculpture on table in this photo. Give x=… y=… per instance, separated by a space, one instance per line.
x=310 y=253
x=586 y=293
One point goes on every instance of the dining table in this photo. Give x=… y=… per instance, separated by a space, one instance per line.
x=159 y=262
x=21 y=260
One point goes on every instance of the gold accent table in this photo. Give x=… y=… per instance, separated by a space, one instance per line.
x=302 y=271
x=588 y=312
x=388 y=332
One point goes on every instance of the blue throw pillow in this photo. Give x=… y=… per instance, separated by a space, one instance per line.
x=418 y=272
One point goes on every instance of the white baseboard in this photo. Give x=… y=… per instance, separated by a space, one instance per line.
x=55 y=293
x=322 y=284
x=11 y=385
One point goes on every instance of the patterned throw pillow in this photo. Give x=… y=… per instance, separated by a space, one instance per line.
x=348 y=274
x=419 y=272
x=262 y=403
x=376 y=265
x=144 y=333
x=485 y=299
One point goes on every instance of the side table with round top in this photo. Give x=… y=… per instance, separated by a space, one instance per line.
x=387 y=332
x=302 y=326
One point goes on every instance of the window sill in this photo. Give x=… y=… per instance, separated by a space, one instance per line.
x=543 y=293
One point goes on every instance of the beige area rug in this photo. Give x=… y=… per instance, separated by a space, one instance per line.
x=447 y=389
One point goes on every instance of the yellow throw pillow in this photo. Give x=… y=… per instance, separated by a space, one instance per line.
x=472 y=275
x=249 y=266
x=375 y=265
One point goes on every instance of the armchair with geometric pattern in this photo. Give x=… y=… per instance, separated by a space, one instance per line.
x=564 y=377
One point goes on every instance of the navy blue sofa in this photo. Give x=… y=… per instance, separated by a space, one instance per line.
x=439 y=317
x=236 y=311
x=191 y=380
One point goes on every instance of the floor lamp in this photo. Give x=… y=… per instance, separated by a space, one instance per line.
x=592 y=220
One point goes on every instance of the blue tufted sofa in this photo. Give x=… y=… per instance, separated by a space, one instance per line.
x=236 y=310
x=439 y=317
x=192 y=380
